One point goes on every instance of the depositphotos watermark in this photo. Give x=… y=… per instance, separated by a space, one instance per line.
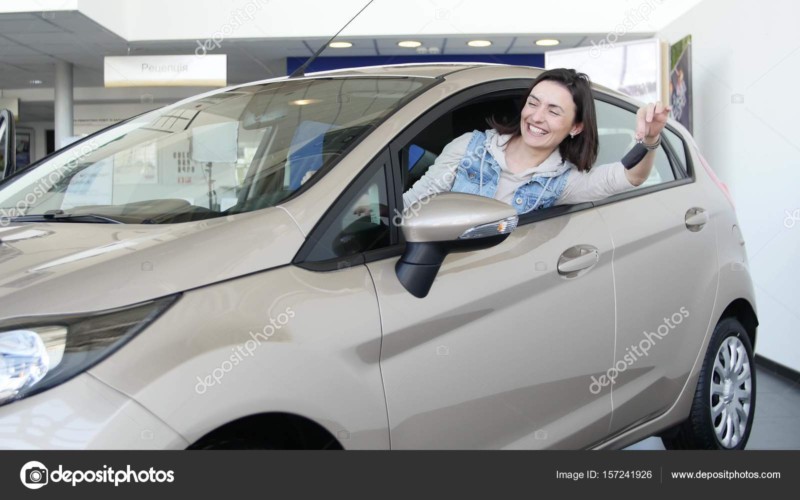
x=35 y=475
x=242 y=351
x=634 y=352
x=238 y=18
x=633 y=17
x=441 y=185
x=45 y=184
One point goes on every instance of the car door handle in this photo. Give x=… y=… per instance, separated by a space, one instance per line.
x=577 y=258
x=695 y=219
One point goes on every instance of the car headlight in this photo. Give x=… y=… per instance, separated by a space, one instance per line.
x=39 y=353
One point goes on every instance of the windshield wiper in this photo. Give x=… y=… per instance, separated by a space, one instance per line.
x=60 y=216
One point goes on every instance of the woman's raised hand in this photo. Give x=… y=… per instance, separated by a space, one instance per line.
x=650 y=121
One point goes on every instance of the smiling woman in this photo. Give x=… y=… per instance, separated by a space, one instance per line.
x=544 y=157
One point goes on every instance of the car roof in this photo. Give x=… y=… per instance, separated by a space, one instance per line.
x=431 y=70
x=414 y=70
x=436 y=70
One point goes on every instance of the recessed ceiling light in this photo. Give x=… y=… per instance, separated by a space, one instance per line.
x=409 y=44
x=547 y=42
x=340 y=45
x=36 y=82
x=479 y=43
x=303 y=102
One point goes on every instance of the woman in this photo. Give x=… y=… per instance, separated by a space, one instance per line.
x=545 y=158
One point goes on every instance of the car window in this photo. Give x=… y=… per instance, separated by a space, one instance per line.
x=235 y=151
x=419 y=160
x=616 y=128
x=423 y=149
x=204 y=169
x=616 y=131
x=362 y=224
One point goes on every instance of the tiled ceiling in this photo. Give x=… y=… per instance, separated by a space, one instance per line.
x=30 y=44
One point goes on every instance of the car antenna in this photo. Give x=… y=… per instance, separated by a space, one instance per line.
x=301 y=71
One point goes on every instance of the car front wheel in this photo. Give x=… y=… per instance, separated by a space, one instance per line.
x=725 y=398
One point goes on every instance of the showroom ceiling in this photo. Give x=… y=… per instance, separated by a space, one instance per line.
x=31 y=43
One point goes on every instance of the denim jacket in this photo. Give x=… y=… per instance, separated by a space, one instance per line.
x=478 y=173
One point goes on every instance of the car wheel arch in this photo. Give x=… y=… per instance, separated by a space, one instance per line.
x=742 y=310
x=268 y=430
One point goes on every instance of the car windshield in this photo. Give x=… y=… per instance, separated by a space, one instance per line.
x=231 y=152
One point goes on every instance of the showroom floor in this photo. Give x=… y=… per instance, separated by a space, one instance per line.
x=777 y=415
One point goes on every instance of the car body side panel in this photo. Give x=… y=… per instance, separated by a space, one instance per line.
x=501 y=352
x=287 y=340
x=666 y=282
x=734 y=282
x=733 y=285
x=83 y=414
x=67 y=268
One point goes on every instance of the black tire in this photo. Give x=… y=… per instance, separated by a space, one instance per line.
x=729 y=397
x=235 y=443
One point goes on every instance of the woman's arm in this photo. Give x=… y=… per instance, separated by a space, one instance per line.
x=442 y=174
x=650 y=121
x=439 y=177
x=602 y=181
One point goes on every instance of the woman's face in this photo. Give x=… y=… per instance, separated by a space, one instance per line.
x=548 y=116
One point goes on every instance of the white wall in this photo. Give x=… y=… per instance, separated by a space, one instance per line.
x=101 y=94
x=37 y=5
x=88 y=118
x=753 y=49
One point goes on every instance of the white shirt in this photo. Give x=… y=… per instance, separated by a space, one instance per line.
x=601 y=181
x=509 y=181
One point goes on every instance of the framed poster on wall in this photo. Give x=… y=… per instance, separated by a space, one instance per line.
x=24 y=147
x=680 y=82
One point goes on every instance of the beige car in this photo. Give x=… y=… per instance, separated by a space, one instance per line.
x=206 y=276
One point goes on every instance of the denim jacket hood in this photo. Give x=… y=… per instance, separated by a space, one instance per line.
x=479 y=170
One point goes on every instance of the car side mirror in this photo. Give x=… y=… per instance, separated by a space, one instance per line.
x=448 y=223
x=8 y=144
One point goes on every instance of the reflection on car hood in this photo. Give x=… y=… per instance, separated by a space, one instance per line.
x=48 y=268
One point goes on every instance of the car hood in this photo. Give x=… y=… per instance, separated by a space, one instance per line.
x=65 y=267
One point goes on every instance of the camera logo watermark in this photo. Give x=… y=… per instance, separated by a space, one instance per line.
x=791 y=218
x=35 y=475
x=635 y=352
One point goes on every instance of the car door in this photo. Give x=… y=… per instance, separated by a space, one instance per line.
x=665 y=262
x=502 y=351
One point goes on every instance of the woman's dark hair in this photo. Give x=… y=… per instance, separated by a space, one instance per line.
x=581 y=150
